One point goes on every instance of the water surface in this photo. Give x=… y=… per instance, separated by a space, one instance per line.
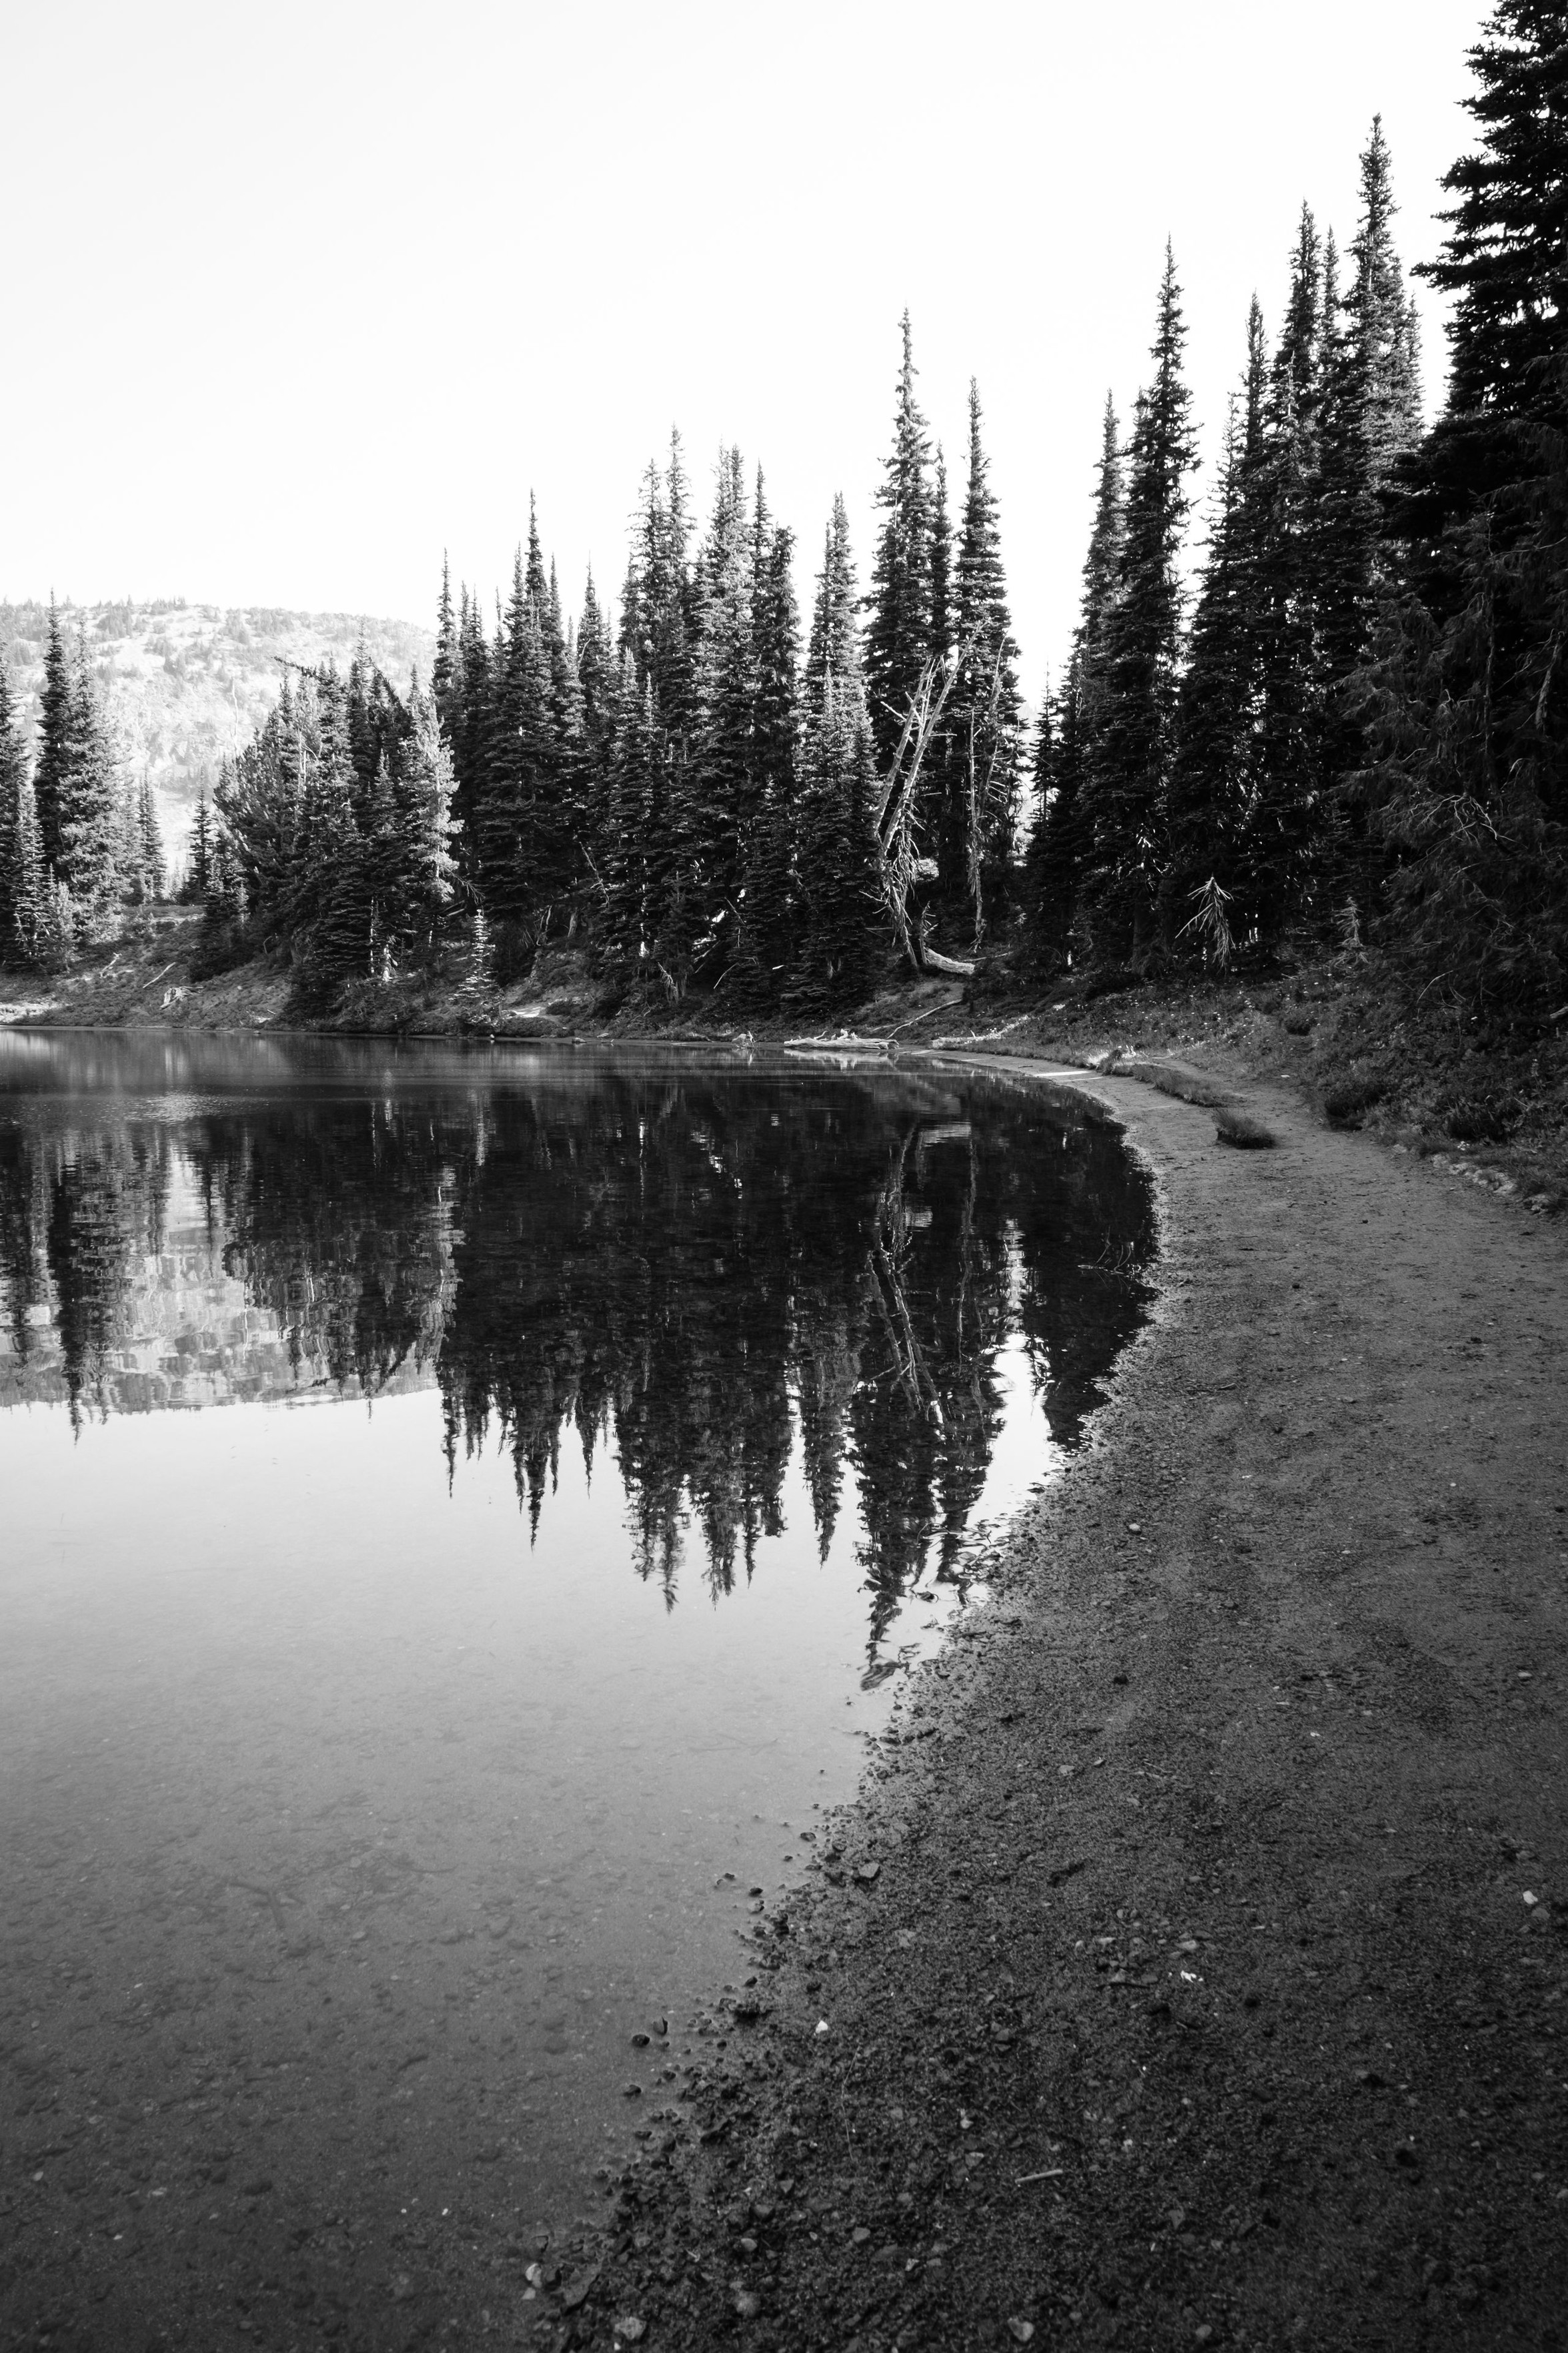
x=456 y=1509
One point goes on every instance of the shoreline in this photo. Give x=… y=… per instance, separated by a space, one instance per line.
x=1195 y=1998
x=1193 y=1959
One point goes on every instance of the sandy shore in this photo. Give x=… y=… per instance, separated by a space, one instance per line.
x=1208 y=1989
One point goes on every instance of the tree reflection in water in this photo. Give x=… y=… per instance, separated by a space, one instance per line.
x=692 y=1271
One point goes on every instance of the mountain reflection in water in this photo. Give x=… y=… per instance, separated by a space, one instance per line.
x=376 y=1819
x=692 y=1270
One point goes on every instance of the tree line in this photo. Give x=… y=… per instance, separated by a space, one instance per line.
x=80 y=839
x=696 y=793
x=1351 y=718
x=1363 y=725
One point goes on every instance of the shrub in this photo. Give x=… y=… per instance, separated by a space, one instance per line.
x=1347 y=1103
x=1471 y=1120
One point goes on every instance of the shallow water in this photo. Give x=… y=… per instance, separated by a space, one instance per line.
x=459 y=1514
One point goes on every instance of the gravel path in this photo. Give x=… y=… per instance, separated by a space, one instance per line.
x=1208 y=1986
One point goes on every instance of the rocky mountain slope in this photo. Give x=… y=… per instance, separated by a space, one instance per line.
x=186 y=683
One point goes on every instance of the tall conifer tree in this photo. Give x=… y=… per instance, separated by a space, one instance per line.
x=984 y=712
x=1129 y=763
x=899 y=634
x=1068 y=735
x=1468 y=698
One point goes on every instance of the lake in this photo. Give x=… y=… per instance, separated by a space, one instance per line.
x=461 y=1513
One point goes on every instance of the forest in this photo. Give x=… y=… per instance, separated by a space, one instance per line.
x=1344 y=724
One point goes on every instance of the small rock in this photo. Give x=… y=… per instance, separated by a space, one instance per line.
x=1019 y=2330
x=641 y=2041
x=748 y=2304
x=630 y=2329
x=577 y=2293
x=822 y=2026
x=402 y=2288
x=632 y=2092
x=866 y=1873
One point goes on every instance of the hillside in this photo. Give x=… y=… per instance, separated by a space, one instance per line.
x=185 y=682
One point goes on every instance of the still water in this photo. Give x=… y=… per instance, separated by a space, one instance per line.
x=460 y=1513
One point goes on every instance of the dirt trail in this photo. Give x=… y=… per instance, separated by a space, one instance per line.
x=1198 y=1997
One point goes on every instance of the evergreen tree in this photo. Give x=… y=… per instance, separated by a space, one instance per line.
x=30 y=890
x=51 y=775
x=1287 y=835
x=1130 y=760
x=199 y=873
x=941 y=613
x=13 y=777
x=1466 y=786
x=470 y=732
x=1371 y=419
x=445 y=670
x=87 y=806
x=1063 y=837
x=148 y=875
x=835 y=953
x=1504 y=258
x=1215 y=789
x=898 y=636
x=425 y=790
x=630 y=852
x=516 y=820
x=771 y=889
x=720 y=781
x=983 y=716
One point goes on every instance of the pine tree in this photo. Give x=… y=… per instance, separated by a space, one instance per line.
x=30 y=888
x=446 y=669
x=199 y=873
x=1287 y=836
x=722 y=784
x=836 y=951
x=1504 y=257
x=1371 y=420
x=515 y=819
x=1466 y=702
x=898 y=635
x=149 y=874
x=1214 y=785
x=51 y=774
x=1130 y=762
x=983 y=716
x=628 y=853
x=17 y=832
x=471 y=731
x=1069 y=734
x=89 y=807
x=771 y=884
x=941 y=613
x=427 y=869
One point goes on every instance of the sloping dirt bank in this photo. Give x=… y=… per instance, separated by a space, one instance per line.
x=1208 y=1990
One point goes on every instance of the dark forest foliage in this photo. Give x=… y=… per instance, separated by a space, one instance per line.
x=1354 y=717
x=635 y=1265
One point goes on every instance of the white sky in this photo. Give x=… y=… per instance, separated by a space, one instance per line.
x=296 y=295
